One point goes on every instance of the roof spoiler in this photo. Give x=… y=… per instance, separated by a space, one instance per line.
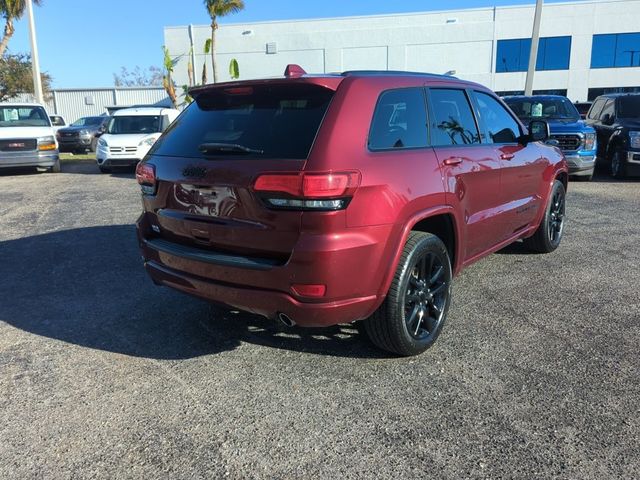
x=294 y=70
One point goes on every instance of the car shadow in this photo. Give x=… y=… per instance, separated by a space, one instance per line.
x=88 y=287
x=515 y=248
x=89 y=167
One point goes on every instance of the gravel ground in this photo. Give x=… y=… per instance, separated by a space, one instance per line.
x=102 y=374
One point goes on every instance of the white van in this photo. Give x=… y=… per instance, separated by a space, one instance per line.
x=130 y=134
x=27 y=138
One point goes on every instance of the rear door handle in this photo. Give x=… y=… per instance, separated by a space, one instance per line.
x=452 y=161
x=506 y=156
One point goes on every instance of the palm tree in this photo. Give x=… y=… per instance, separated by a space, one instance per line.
x=11 y=10
x=219 y=8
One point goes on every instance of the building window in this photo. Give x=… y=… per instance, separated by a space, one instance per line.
x=553 y=54
x=596 y=92
x=615 y=50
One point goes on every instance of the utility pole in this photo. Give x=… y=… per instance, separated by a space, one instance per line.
x=35 y=61
x=533 y=54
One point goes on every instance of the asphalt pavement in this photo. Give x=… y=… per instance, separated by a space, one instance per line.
x=104 y=375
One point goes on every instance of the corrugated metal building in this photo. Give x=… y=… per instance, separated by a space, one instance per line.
x=73 y=103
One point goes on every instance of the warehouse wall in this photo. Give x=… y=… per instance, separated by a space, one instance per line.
x=460 y=40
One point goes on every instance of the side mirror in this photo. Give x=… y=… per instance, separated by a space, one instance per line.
x=607 y=119
x=538 y=131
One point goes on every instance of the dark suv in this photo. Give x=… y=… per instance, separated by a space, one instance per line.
x=327 y=199
x=82 y=135
x=616 y=119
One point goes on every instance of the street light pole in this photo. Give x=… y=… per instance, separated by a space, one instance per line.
x=533 y=54
x=35 y=61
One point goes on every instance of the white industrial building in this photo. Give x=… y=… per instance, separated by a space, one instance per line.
x=586 y=47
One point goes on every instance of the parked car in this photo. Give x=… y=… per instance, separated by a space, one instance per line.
x=583 y=108
x=328 y=199
x=57 y=122
x=616 y=118
x=27 y=138
x=130 y=134
x=81 y=134
x=575 y=138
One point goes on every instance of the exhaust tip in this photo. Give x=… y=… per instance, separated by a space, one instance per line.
x=285 y=320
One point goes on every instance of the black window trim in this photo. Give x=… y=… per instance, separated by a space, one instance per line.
x=427 y=125
x=471 y=107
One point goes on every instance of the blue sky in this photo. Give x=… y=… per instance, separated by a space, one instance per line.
x=83 y=43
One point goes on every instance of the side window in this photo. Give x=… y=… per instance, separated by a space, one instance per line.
x=399 y=120
x=453 y=122
x=596 y=108
x=499 y=125
x=609 y=108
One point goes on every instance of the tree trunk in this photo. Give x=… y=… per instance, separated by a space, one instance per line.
x=214 y=66
x=8 y=33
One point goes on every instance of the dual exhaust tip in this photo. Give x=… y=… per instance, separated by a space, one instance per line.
x=285 y=320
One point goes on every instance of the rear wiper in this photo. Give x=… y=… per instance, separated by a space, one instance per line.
x=216 y=148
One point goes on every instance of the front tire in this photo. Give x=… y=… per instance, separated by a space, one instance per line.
x=549 y=233
x=618 y=166
x=56 y=167
x=412 y=315
x=104 y=169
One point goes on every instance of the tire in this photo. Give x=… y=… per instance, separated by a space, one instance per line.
x=93 y=146
x=549 y=233
x=618 y=165
x=56 y=167
x=419 y=298
x=104 y=169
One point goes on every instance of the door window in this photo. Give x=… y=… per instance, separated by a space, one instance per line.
x=594 y=113
x=499 y=125
x=399 y=120
x=453 y=122
x=609 y=109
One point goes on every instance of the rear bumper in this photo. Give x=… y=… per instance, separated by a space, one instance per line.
x=351 y=265
x=29 y=159
x=267 y=303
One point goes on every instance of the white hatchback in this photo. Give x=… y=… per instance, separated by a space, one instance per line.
x=130 y=134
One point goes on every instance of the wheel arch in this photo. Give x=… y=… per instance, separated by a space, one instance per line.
x=440 y=221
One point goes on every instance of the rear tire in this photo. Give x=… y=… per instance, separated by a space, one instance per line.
x=412 y=315
x=549 y=233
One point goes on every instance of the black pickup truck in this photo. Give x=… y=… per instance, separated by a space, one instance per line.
x=616 y=119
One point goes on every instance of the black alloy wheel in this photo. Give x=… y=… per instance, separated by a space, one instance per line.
x=412 y=315
x=426 y=297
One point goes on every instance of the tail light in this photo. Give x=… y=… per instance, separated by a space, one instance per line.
x=307 y=191
x=146 y=177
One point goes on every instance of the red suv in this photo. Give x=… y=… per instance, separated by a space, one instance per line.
x=327 y=199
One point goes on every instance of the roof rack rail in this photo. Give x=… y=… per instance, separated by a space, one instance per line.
x=393 y=72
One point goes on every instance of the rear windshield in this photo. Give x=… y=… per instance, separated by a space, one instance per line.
x=132 y=124
x=24 y=117
x=272 y=121
x=629 y=107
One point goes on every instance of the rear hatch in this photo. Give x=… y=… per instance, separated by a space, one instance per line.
x=208 y=160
